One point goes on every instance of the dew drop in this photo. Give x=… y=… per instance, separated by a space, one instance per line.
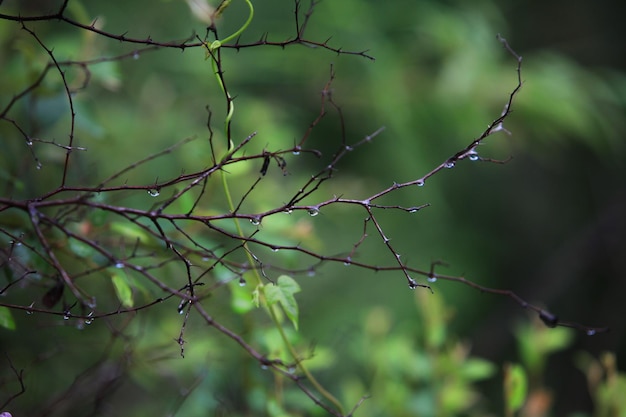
x=431 y=279
x=291 y=370
x=449 y=164
x=296 y=150
x=275 y=250
x=313 y=211
x=412 y=284
x=255 y=221
x=348 y=261
x=264 y=367
x=420 y=183
x=242 y=282
x=591 y=332
x=473 y=156
x=119 y=265
x=89 y=319
x=153 y=192
x=66 y=316
x=311 y=273
x=349 y=148
x=38 y=166
x=29 y=142
x=413 y=210
x=135 y=55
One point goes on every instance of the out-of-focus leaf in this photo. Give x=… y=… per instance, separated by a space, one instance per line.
x=515 y=387
x=6 y=318
x=476 y=369
x=122 y=289
x=134 y=232
x=241 y=300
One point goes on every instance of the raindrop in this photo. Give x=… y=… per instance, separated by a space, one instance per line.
x=67 y=315
x=311 y=273
x=291 y=370
x=153 y=192
x=431 y=279
x=38 y=165
x=275 y=249
x=348 y=261
x=296 y=150
x=255 y=221
x=412 y=284
x=135 y=55
x=288 y=211
x=591 y=332
x=413 y=210
x=242 y=282
x=29 y=142
x=349 y=148
x=119 y=265
x=473 y=156
x=420 y=183
x=264 y=367
x=89 y=319
x=313 y=211
x=449 y=164
x=29 y=311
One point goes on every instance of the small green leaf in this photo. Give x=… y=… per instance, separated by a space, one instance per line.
x=282 y=292
x=515 y=387
x=123 y=290
x=6 y=318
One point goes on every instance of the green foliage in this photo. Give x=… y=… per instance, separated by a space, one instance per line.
x=606 y=384
x=6 y=318
x=283 y=293
x=515 y=388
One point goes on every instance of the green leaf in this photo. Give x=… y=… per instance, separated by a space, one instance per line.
x=6 y=318
x=123 y=290
x=282 y=292
x=515 y=387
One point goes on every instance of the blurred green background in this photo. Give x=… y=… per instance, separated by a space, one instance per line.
x=549 y=224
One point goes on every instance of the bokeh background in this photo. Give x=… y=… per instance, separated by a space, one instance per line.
x=550 y=224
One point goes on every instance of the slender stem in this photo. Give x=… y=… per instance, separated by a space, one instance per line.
x=270 y=308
